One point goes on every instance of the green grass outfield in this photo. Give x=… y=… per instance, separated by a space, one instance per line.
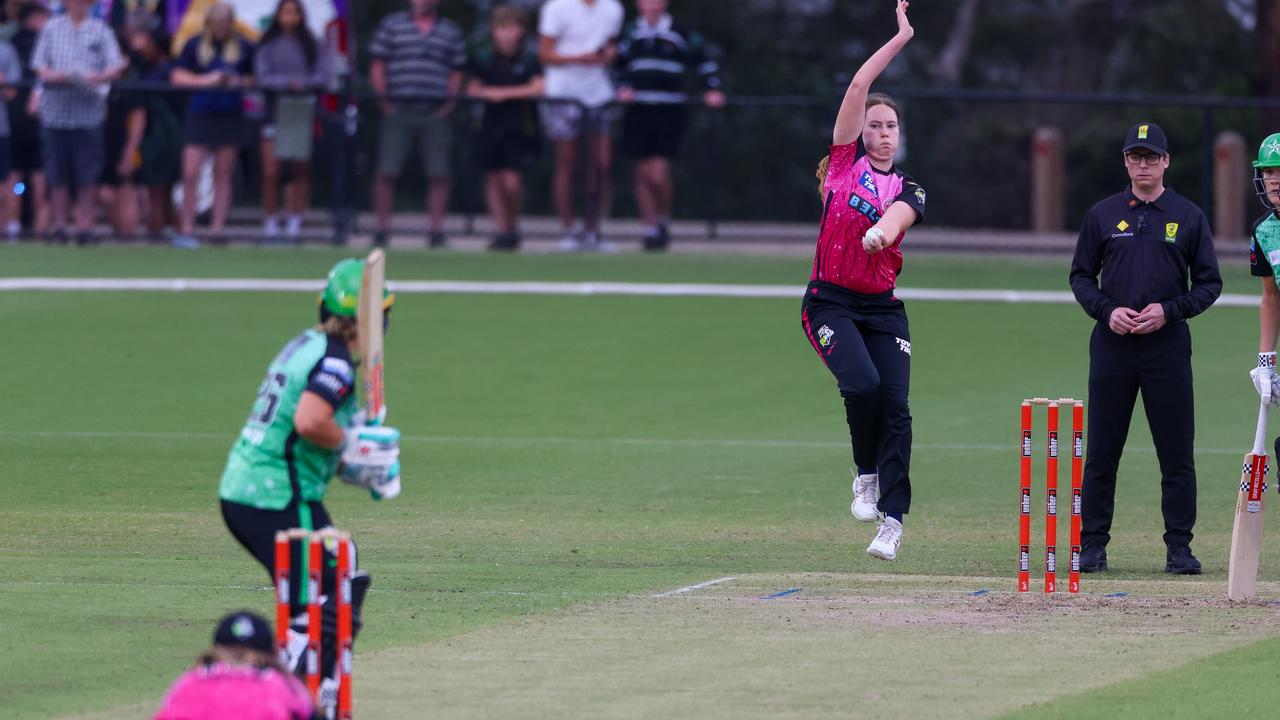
x=567 y=459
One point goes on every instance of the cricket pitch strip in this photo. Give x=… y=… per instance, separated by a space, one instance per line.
x=815 y=645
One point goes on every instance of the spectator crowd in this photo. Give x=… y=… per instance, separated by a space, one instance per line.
x=158 y=151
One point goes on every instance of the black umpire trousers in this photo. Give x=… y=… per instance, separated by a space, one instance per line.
x=1159 y=366
x=865 y=342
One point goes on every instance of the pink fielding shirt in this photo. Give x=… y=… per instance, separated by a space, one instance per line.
x=210 y=692
x=857 y=197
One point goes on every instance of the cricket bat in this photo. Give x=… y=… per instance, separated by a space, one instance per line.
x=369 y=319
x=1246 y=533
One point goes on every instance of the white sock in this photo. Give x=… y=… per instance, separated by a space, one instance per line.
x=295 y=224
x=271 y=225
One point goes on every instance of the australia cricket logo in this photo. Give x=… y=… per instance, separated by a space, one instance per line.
x=825 y=334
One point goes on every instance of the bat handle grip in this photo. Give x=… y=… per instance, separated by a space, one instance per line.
x=1260 y=437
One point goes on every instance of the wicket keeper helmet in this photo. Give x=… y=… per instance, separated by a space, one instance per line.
x=341 y=296
x=1268 y=157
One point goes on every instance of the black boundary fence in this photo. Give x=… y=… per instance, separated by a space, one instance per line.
x=753 y=160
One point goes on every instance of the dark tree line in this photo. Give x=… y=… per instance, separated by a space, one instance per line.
x=809 y=49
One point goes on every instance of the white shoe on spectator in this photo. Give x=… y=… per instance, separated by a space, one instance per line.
x=271 y=227
x=592 y=242
x=294 y=227
x=571 y=242
x=12 y=230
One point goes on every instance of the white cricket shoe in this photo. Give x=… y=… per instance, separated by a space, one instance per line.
x=866 y=493
x=888 y=538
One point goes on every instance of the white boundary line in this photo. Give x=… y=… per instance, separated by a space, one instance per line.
x=452 y=287
x=691 y=588
x=626 y=441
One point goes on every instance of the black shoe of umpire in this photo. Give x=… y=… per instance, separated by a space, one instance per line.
x=1093 y=558
x=1180 y=561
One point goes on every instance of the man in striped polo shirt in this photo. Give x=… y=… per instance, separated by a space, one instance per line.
x=418 y=58
x=656 y=56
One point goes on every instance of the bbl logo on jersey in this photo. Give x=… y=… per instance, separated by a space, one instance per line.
x=1171 y=232
x=869 y=183
x=825 y=333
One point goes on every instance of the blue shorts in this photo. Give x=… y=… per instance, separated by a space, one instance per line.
x=73 y=157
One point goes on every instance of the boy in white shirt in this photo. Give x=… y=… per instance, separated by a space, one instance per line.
x=577 y=47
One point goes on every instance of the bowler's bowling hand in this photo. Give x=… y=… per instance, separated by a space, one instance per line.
x=874 y=241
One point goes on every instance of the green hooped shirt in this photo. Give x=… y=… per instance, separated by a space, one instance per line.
x=270 y=464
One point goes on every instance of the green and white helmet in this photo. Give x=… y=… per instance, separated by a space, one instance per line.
x=341 y=295
x=1268 y=157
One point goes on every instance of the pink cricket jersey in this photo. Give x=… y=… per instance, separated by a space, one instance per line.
x=235 y=691
x=857 y=197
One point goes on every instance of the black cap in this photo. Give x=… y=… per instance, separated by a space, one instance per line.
x=1148 y=136
x=244 y=629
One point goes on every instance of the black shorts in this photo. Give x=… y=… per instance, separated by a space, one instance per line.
x=256 y=530
x=212 y=131
x=6 y=157
x=111 y=176
x=498 y=150
x=650 y=131
x=27 y=147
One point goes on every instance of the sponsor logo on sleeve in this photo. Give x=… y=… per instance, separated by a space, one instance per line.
x=1273 y=257
x=333 y=384
x=337 y=366
x=920 y=195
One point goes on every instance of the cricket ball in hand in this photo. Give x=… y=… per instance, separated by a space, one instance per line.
x=873 y=239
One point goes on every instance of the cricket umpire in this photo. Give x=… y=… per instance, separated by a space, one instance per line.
x=1146 y=243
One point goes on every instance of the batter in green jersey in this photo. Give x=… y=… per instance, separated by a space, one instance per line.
x=1264 y=262
x=304 y=429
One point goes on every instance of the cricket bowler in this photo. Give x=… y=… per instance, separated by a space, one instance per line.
x=850 y=314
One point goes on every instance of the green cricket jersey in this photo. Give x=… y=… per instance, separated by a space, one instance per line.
x=270 y=464
x=1264 y=250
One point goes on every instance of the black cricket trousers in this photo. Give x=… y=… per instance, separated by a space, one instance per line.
x=1159 y=366
x=865 y=342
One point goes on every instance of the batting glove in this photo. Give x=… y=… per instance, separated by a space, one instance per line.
x=1265 y=380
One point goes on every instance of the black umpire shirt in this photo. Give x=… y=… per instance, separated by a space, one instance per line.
x=1146 y=252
